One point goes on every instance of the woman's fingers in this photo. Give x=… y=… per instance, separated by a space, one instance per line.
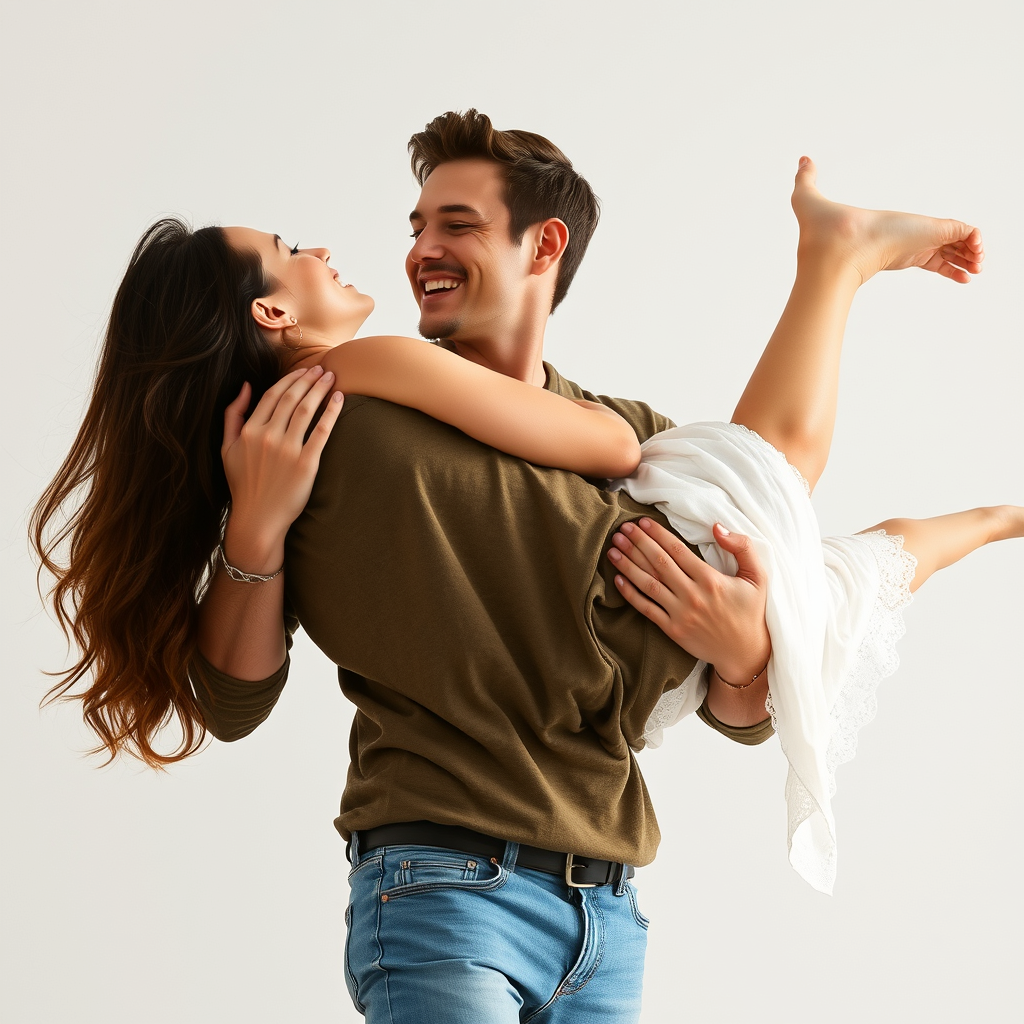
x=234 y=417
x=268 y=403
x=315 y=445
x=293 y=396
x=303 y=413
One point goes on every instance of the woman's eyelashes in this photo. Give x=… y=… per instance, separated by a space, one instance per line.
x=294 y=249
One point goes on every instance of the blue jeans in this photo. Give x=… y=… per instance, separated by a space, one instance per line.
x=440 y=937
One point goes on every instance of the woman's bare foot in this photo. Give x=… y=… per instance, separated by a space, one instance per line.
x=874 y=240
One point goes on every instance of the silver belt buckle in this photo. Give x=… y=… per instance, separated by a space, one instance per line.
x=570 y=863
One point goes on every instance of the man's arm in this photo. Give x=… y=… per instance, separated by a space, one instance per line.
x=717 y=618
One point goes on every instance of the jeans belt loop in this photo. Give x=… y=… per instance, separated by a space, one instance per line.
x=508 y=862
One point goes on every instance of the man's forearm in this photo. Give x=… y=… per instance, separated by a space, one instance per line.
x=737 y=707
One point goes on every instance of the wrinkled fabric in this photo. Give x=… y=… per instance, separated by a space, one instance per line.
x=832 y=621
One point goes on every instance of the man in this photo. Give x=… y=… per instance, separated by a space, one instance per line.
x=501 y=677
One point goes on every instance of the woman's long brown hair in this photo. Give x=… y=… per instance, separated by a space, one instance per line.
x=129 y=524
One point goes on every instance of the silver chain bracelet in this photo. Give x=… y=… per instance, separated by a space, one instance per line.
x=244 y=577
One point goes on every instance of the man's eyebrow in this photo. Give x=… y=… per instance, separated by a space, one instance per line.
x=451 y=208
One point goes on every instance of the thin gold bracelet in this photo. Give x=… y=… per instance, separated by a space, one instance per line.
x=742 y=686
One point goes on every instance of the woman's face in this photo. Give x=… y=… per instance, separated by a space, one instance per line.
x=325 y=308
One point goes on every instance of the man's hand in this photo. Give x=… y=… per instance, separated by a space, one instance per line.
x=717 y=618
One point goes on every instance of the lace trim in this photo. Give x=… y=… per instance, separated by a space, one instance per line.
x=856 y=705
x=672 y=706
x=770 y=708
x=782 y=455
x=876 y=657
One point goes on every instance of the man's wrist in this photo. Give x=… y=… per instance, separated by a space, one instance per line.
x=739 y=671
x=745 y=680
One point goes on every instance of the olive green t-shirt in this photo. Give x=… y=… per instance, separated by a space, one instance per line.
x=501 y=683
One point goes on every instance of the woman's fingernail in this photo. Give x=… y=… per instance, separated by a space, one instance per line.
x=614 y=555
x=338 y=397
x=722 y=530
x=645 y=524
x=626 y=528
x=316 y=370
x=620 y=581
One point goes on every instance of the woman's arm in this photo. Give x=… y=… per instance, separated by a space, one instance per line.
x=508 y=414
x=270 y=470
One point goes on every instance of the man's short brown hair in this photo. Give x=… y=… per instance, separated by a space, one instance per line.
x=539 y=179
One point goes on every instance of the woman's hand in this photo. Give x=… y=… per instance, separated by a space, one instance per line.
x=269 y=467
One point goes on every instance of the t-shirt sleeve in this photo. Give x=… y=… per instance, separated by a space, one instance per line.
x=232 y=707
x=640 y=416
x=749 y=735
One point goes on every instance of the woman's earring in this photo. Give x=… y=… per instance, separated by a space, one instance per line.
x=296 y=322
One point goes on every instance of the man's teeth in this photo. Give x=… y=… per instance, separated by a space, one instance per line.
x=446 y=284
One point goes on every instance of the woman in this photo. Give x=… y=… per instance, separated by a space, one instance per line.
x=203 y=317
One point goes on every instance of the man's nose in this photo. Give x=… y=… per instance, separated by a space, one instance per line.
x=426 y=247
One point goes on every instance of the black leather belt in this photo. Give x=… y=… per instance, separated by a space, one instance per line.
x=578 y=872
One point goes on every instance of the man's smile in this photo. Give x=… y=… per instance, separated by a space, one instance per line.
x=437 y=283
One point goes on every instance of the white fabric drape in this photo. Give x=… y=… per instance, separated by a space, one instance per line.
x=834 y=609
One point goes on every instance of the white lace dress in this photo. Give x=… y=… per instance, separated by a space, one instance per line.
x=834 y=610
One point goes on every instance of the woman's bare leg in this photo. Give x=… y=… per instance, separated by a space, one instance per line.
x=790 y=399
x=943 y=540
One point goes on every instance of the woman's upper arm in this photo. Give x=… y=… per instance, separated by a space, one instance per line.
x=506 y=413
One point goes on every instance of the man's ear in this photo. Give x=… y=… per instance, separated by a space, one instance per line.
x=269 y=315
x=550 y=239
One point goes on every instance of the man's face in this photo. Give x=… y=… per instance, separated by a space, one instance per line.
x=467 y=276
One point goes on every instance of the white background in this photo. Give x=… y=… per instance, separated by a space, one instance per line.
x=215 y=893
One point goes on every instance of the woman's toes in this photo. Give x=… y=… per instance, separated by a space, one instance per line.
x=806 y=173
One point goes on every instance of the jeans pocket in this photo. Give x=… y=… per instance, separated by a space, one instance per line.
x=362 y=951
x=350 y=979
x=364 y=866
x=410 y=870
x=635 y=906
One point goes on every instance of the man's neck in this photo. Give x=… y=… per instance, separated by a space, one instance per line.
x=518 y=353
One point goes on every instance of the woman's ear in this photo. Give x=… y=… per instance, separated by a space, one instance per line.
x=550 y=239
x=269 y=315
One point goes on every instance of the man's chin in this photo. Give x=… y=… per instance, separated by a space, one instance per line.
x=433 y=328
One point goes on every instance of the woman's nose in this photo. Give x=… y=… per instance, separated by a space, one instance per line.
x=320 y=254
